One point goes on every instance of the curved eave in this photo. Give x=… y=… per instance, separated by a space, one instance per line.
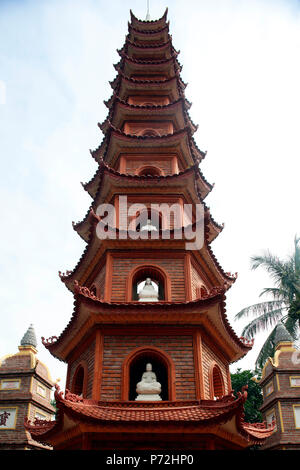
x=116 y=140
x=148 y=48
x=173 y=180
x=150 y=61
x=95 y=246
x=110 y=103
x=148 y=35
x=175 y=112
x=164 y=416
x=150 y=25
x=126 y=86
x=130 y=67
x=209 y=311
x=229 y=278
x=203 y=187
x=149 y=32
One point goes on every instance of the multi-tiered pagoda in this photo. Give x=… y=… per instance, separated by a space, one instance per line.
x=148 y=345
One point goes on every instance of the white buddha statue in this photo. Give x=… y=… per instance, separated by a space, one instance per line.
x=148 y=293
x=148 y=389
x=149 y=227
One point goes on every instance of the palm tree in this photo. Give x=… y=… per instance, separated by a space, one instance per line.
x=284 y=307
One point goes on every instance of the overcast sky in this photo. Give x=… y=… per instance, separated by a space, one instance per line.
x=241 y=62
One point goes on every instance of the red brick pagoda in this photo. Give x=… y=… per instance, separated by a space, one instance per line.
x=148 y=346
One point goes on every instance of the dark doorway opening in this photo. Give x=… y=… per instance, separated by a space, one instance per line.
x=138 y=367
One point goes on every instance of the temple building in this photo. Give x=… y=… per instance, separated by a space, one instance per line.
x=25 y=393
x=148 y=345
x=280 y=384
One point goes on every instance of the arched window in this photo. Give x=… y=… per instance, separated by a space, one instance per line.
x=135 y=365
x=93 y=290
x=217 y=383
x=158 y=279
x=149 y=171
x=203 y=292
x=154 y=217
x=78 y=381
x=150 y=133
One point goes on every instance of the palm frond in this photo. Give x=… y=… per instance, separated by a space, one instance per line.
x=267 y=350
x=260 y=308
x=276 y=292
x=262 y=323
x=292 y=326
x=271 y=263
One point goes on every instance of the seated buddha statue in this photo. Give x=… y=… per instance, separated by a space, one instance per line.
x=149 y=227
x=148 y=389
x=148 y=293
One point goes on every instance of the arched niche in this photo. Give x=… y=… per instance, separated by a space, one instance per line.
x=149 y=170
x=156 y=274
x=79 y=382
x=217 y=388
x=93 y=290
x=148 y=214
x=135 y=365
x=150 y=133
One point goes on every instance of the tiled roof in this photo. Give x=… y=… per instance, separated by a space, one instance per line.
x=29 y=338
x=198 y=412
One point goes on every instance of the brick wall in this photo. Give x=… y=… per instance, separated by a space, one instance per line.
x=196 y=282
x=133 y=164
x=100 y=282
x=123 y=266
x=88 y=356
x=117 y=348
x=208 y=358
x=17 y=435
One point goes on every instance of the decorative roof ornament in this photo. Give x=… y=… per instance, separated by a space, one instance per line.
x=282 y=335
x=148 y=18
x=29 y=339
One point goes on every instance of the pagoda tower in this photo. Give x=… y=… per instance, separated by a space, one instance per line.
x=25 y=392
x=148 y=345
x=280 y=383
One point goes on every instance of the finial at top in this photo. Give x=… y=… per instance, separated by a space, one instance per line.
x=148 y=18
x=29 y=338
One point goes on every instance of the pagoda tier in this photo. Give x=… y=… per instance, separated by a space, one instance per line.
x=187 y=187
x=148 y=37
x=153 y=52
x=149 y=309
x=98 y=267
x=173 y=113
x=131 y=167
x=149 y=26
x=207 y=315
x=139 y=91
x=207 y=425
x=180 y=142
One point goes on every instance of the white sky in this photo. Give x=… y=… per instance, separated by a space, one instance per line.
x=241 y=60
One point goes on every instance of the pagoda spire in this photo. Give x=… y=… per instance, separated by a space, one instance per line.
x=148 y=18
